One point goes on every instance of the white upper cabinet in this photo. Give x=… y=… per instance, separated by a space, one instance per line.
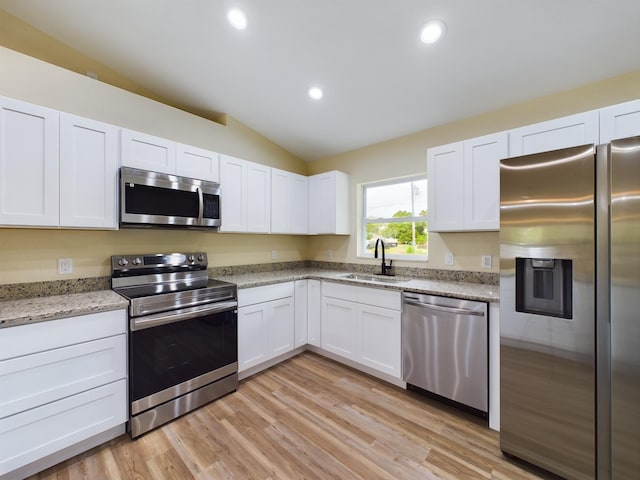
x=147 y=152
x=289 y=202
x=198 y=163
x=620 y=121
x=482 y=181
x=464 y=184
x=245 y=190
x=445 y=180
x=329 y=206
x=88 y=173
x=559 y=133
x=29 y=183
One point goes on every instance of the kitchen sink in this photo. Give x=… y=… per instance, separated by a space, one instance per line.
x=373 y=278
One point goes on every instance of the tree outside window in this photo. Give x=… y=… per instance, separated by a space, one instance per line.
x=396 y=212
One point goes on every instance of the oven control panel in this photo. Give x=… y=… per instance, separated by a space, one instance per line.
x=159 y=262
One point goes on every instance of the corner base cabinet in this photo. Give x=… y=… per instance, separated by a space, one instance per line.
x=64 y=383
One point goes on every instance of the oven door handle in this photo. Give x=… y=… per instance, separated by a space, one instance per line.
x=140 y=323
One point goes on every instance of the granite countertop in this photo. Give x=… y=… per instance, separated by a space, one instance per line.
x=467 y=291
x=40 y=309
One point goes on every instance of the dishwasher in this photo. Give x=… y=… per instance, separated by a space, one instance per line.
x=445 y=349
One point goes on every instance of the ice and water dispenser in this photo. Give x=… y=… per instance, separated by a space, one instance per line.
x=544 y=286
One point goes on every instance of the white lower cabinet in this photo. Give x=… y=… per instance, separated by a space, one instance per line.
x=63 y=383
x=265 y=323
x=314 y=306
x=301 y=313
x=363 y=325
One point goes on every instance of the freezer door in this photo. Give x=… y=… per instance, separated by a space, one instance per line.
x=625 y=307
x=547 y=350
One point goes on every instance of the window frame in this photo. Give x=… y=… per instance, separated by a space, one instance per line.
x=362 y=231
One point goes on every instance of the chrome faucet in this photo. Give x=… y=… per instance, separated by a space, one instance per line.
x=385 y=268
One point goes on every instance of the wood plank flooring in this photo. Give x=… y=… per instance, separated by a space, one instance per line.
x=310 y=418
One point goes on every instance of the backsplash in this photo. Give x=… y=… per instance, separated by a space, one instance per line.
x=18 y=291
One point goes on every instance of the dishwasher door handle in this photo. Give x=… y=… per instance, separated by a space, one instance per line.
x=441 y=308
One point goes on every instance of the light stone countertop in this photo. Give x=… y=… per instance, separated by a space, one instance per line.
x=39 y=309
x=467 y=291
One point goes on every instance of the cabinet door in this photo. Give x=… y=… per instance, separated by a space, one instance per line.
x=29 y=183
x=445 y=175
x=281 y=201
x=314 y=302
x=570 y=131
x=196 y=162
x=482 y=181
x=339 y=327
x=252 y=335
x=233 y=185
x=301 y=308
x=281 y=326
x=299 y=204
x=620 y=121
x=147 y=152
x=322 y=214
x=380 y=339
x=88 y=173
x=258 y=198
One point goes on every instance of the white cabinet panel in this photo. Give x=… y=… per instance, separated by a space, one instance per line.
x=252 y=335
x=36 y=433
x=445 y=178
x=289 y=202
x=88 y=173
x=32 y=380
x=482 y=181
x=339 y=327
x=194 y=162
x=300 y=313
x=147 y=152
x=329 y=205
x=571 y=131
x=281 y=326
x=380 y=339
x=299 y=210
x=620 y=121
x=258 y=198
x=233 y=188
x=314 y=300
x=29 y=153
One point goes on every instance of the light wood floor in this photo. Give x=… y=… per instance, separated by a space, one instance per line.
x=306 y=418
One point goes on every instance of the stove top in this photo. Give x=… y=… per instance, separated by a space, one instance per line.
x=162 y=282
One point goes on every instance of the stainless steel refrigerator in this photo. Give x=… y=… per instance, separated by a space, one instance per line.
x=570 y=310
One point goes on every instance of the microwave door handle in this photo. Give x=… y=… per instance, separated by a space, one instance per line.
x=201 y=205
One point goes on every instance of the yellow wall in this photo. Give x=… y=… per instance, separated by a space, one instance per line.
x=407 y=156
x=31 y=254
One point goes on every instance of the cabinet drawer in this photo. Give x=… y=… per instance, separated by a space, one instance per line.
x=251 y=296
x=37 y=337
x=377 y=297
x=34 y=434
x=32 y=380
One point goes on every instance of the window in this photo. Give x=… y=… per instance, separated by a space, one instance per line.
x=396 y=212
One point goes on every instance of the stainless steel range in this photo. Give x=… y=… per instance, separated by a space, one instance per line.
x=183 y=335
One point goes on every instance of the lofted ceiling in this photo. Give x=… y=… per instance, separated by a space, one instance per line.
x=379 y=80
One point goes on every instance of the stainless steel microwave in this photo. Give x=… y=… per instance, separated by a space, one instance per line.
x=154 y=199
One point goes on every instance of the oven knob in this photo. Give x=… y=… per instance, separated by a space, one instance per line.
x=192 y=258
x=201 y=258
x=137 y=261
x=123 y=261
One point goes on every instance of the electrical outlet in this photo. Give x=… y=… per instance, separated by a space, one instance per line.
x=65 y=266
x=274 y=254
x=329 y=253
x=486 y=261
x=449 y=259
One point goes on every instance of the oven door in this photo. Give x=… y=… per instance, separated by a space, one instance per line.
x=172 y=354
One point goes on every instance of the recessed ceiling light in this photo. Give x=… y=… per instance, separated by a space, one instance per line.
x=433 y=31
x=315 y=93
x=237 y=19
